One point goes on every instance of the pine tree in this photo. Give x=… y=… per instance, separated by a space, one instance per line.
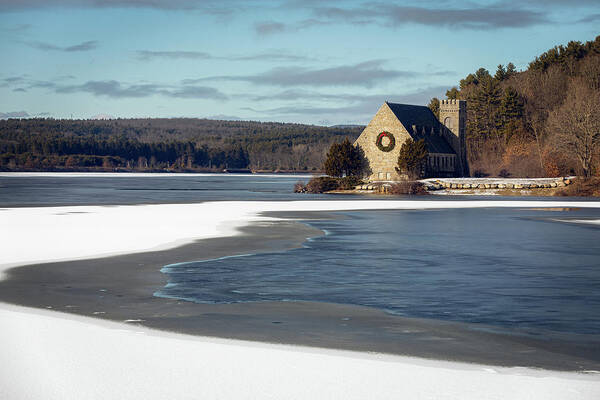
x=343 y=159
x=500 y=73
x=412 y=157
x=511 y=105
x=511 y=70
x=434 y=106
x=453 y=93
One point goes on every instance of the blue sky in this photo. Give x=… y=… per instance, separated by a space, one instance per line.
x=319 y=62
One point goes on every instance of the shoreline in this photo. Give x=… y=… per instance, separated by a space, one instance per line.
x=120 y=288
x=141 y=174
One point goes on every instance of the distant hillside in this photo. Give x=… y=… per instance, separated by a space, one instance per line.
x=348 y=126
x=181 y=144
x=543 y=121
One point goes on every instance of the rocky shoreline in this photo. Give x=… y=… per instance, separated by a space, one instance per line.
x=483 y=186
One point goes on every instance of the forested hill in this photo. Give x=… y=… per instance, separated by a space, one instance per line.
x=181 y=144
x=542 y=121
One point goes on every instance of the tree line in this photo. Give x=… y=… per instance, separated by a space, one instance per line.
x=163 y=144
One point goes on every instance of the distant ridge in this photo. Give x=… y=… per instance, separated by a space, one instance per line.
x=102 y=117
x=342 y=126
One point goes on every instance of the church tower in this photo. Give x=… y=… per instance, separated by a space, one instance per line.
x=453 y=115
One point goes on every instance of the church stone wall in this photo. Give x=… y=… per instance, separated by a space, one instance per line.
x=383 y=164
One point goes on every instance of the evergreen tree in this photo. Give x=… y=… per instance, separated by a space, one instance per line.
x=511 y=70
x=412 y=157
x=511 y=111
x=434 y=106
x=453 y=93
x=343 y=159
x=511 y=105
x=500 y=73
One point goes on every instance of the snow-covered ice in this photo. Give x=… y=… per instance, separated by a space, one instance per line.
x=49 y=355
x=42 y=234
x=54 y=356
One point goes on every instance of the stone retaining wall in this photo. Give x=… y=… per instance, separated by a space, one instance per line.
x=477 y=184
x=441 y=184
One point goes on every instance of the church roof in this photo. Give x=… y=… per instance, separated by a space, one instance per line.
x=411 y=115
x=421 y=116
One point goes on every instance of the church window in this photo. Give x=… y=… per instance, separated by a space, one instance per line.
x=448 y=122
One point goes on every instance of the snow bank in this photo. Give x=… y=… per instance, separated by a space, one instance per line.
x=581 y=221
x=43 y=234
x=55 y=357
x=48 y=355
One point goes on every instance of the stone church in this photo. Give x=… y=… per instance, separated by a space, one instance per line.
x=394 y=123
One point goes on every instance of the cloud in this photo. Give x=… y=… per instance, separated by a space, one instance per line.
x=84 y=46
x=200 y=55
x=111 y=89
x=466 y=16
x=365 y=74
x=545 y=3
x=469 y=16
x=115 y=89
x=210 y=7
x=14 y=114
x=590 y=18
x=41 y=85
x=269 y=56
x=353 y=14
x=196 y=92
x=16 y=28
x=65 y=77
x=11 y=80
x=190 y=55
x=361 y=107
x=269 y=28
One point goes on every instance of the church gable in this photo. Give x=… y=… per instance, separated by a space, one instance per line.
x=391 y=126
x=383 y=163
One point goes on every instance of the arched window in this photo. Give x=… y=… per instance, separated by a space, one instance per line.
x=448 y=122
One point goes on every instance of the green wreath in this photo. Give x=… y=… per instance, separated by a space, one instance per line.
x=390 y=145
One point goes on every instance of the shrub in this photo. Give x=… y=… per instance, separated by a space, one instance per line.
x=408 y=187
x=349 y=182
x=503 y=173
x=478 y=173
x=300 y=187
x=581 y=187
x=322 y=184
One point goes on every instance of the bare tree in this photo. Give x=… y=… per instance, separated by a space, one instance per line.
x=575 y=125
x=542 y=92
